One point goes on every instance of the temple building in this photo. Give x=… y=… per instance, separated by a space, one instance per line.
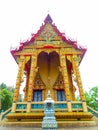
x=49 y=61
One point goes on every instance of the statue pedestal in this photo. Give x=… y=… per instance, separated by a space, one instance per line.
x=49 y=121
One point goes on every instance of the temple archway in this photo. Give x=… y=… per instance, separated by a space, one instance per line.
x=48 y=67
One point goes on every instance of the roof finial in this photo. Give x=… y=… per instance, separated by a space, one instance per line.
x=48 y=19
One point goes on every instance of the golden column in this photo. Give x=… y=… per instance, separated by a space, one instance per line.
x=66 y=81
x=31 y=80
x=26 y=87
x=18 y=81
x=75 y=63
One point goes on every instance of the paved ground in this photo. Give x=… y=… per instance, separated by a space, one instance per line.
x=66 y=128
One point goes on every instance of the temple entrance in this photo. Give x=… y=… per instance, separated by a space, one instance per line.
x=48 y=69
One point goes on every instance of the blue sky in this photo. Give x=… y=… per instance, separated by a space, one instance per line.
x=78 y=19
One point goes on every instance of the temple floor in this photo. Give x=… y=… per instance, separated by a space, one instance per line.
x=66 y=128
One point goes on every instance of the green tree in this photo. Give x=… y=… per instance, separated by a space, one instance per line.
x=92 y=97
x=6 y=99
x=2 y=86
x=6 y=94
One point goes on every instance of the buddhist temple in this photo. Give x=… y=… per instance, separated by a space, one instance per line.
x=49 y=61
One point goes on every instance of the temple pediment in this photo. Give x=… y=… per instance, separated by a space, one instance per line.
x=48 y=39
x=48 y=33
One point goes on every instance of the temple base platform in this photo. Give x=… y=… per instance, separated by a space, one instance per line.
x=63 y=119
x=59 y=116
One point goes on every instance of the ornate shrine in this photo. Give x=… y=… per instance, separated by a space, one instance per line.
x=49 y=120
x=49 y=61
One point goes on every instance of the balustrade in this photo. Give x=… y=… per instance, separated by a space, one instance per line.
x=58 y=106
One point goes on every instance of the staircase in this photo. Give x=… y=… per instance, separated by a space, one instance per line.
x=3 y=115
x=95 y=113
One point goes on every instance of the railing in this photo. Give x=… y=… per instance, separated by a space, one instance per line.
x=3 y=114
x=37 y=105
x=21 y=106
x=58 y=106
x=95 y=113
x=77 y=106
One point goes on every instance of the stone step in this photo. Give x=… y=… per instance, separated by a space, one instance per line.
x=60 y=123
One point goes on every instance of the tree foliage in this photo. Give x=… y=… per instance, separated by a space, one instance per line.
x=6 y=94
x=6 y=99
x=92 y=97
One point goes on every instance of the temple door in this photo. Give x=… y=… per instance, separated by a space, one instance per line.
x=37 y=97
x=61 y=97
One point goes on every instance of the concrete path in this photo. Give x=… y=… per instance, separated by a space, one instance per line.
x=66 y=128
